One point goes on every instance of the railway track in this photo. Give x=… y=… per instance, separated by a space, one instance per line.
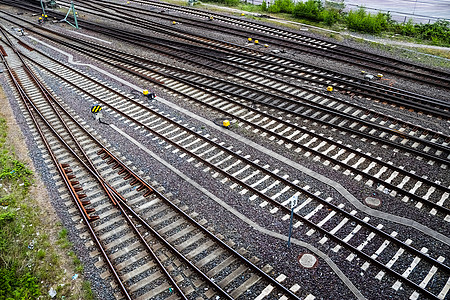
x=293 y=41
x=312 y=211
x=363 y=165
x=280 y=66
x=423 y=271
x=142 y=236
x=284 y=67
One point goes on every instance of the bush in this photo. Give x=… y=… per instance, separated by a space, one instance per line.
x=264 y=6
x=365 y=22
x=438 y=32
x=226 y=2
x=283 y=6
x=310 y=9
x=330 y=16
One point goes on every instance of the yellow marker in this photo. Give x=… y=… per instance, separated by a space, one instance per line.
x=379 y=75
x=174 y=22
x=128 y=2
x=242 y=14
x=363 y=72
x=256 y=42
x=266 y=46
x=145 y=92
x=46 y=16
x=330 y=88
x=211 y=18
x=249 y=39
x=226 y=123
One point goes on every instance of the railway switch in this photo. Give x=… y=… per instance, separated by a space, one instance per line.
x=226 y=123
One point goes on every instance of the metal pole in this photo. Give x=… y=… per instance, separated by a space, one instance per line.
x=74 y=15
x=294 y=201
x=290 y=227
x=43 y=10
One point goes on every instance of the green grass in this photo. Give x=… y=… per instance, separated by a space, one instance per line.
x=29 y=263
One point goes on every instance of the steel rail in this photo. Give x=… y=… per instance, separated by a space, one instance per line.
x=327 y=233
x=342 y=115
x=110 y=191
x=259 y=271
x=310 y=223
x=27 y=103
x=287 y=140
x=317 y=40
x=140 y=37
x=277 y=177
x=358 y=85
x=288 y=44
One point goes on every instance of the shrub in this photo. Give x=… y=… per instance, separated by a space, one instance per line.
x=283 y=6
x=264 y=6
x=365 y=22
x=226 y=2
x=310 y=9
x=330 y=16
x=438 y=32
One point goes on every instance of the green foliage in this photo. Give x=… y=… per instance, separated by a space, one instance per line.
x=310 y=9
x=5 y=217
x=264 y=6
x=226 y=2
x=438 y=32
x=40 y=254
x=282 y=6
x=14 y=169
x=365 y=22
x=330 y=16
x=14 y=285
x=7 y=200
x=332 y=12
x=63 y=233
x=89 y=295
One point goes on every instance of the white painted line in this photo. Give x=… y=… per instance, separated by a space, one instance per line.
x=70 y=56
x=91 y=37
